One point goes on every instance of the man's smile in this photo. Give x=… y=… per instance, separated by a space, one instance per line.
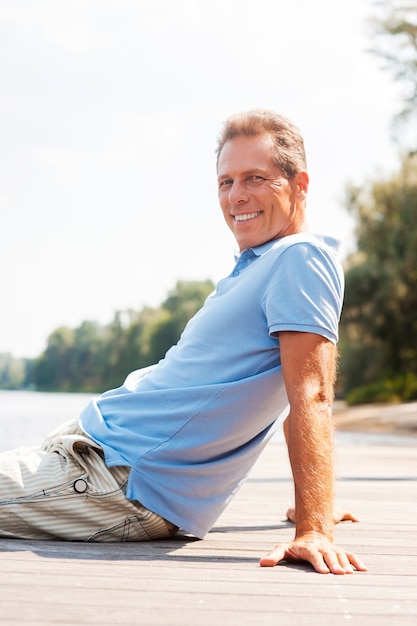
x=244 y=217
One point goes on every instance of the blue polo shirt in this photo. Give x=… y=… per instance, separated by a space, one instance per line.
x=192 y=426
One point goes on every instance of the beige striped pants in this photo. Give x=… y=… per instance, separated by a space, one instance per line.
x=64 y=490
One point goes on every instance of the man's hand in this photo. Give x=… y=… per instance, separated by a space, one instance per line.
x=338 y=516
x=315 y=548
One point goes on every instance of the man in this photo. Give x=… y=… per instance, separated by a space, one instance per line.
x=171 y=446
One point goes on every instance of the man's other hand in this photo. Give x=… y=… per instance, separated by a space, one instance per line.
x=338 y=516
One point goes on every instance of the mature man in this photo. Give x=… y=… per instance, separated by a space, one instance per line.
x=171 y=446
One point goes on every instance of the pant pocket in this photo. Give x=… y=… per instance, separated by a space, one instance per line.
x=146 y=526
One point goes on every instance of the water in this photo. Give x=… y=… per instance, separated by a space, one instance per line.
x=26 y=417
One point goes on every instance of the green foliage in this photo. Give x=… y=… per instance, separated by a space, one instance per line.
x=14 y=373
x=92 y=358
x=399 y=389
x=395 y=29
x=378 y=342
x=178 y=308
x=379 y=320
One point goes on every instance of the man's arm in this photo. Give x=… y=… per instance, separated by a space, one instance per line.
x=308 y=365
x=339 y=515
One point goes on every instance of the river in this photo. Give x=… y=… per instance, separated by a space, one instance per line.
x=26 y=417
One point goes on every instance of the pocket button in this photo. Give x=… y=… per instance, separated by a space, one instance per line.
x=80 y=485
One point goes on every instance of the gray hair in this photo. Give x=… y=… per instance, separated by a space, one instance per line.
x=289 y=153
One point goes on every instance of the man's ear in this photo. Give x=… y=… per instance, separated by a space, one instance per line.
x=302 y=180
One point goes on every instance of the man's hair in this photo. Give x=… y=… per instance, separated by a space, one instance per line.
x=289 y=144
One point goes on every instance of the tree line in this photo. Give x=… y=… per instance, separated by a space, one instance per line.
x=94 y=357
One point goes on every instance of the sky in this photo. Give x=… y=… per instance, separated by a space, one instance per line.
x=109 y=115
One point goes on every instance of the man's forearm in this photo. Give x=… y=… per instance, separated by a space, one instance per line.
x=310 y=447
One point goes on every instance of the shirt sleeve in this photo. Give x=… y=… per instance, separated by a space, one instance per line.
x=305 y=291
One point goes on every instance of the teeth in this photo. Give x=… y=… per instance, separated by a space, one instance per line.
x=246 y=216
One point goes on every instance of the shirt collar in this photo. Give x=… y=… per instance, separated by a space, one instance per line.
x=330 y=242
x=256 y=251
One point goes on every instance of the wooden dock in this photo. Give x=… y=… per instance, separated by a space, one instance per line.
x=185 y=582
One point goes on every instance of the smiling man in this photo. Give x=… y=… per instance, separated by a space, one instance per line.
x=172 y=445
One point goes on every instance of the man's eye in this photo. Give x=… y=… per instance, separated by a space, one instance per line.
x=225 y=183
x=255 y=178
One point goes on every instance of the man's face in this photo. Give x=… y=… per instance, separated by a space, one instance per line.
x=258 y=202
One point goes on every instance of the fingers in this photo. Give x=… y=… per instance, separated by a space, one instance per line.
x=291 y=514
x=325 y=558
x=341 y=562
x=346 y=517
x=274 y=557
x=318 y=561
x=337 y=563
x=357 y=563
x=343 y=516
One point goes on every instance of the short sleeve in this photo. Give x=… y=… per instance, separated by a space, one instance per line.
x=305 y=291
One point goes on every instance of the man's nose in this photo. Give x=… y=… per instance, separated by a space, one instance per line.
x=237 y=193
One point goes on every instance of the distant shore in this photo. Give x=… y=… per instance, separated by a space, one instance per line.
x=399 y=419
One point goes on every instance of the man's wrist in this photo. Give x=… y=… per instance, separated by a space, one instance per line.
x=314 y=531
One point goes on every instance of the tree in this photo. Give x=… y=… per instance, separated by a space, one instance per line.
x=14 y=373
x=53 y=369
x=86 y=357
x=379 y=321
x=72 y=360
x=395 y=27
x=180 y=306
x=93 y=358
